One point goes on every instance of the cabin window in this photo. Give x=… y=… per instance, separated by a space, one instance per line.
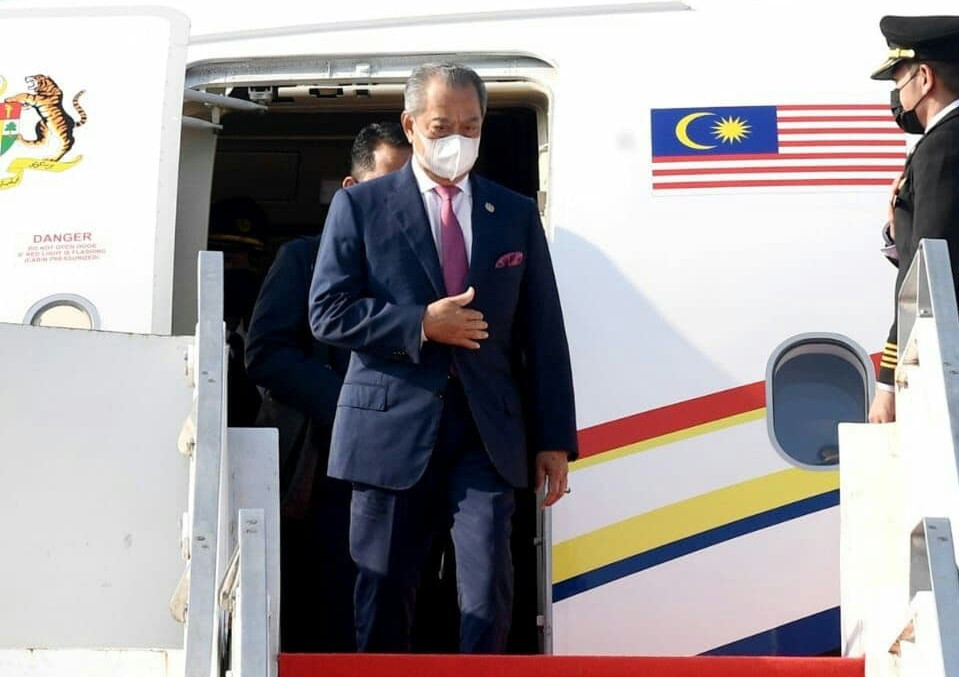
x=813 y=383
x=63 y=310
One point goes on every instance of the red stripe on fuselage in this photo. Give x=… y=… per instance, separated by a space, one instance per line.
x=675 y=417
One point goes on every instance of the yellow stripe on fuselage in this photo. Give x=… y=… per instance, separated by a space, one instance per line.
x=696 y=515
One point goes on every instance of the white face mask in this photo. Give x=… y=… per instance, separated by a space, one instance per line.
x=450 y=156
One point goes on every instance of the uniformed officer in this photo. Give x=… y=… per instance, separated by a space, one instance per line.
x=238 y=227
x=923 y=64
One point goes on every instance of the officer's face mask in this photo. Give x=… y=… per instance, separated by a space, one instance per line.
x=907 y=120
x=449 y=156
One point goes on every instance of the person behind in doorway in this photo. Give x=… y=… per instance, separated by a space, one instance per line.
x=923 y=65
x=441 y=284
x=301 y=379
x=238 y=226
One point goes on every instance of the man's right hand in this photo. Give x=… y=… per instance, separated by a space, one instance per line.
x=883 y=408
x=450 y=321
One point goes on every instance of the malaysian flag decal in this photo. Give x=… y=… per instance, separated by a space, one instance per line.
x=775 y=147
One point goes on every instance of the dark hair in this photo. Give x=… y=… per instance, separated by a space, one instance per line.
x=451 y=74
x=948 y=72
x=368 y=140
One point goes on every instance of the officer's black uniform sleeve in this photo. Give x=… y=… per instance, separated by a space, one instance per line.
x=935 y=197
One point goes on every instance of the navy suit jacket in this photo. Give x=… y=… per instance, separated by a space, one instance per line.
x=281 y=353
x=377 y=270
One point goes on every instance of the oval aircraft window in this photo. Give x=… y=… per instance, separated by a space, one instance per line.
x=813 y=383
x=63 y=310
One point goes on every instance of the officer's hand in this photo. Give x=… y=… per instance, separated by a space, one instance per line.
x=450 y=321
x=883 y=408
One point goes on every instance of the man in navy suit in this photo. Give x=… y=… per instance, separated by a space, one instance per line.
x=441 y=284
x=301 y=378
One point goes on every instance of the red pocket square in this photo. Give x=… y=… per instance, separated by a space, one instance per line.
x=509 y=260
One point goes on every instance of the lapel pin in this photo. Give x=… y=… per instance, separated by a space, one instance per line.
x=490 y=208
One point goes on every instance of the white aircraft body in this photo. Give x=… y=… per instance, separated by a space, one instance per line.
x=712 y=177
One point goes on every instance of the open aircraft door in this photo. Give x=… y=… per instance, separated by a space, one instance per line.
x=90 y=102
x=202 y=114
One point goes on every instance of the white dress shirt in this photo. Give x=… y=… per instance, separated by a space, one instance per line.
x=462 y=207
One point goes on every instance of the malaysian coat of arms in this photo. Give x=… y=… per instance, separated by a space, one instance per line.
x=52 y=134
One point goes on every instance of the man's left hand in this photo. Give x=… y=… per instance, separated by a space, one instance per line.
x=554 y=467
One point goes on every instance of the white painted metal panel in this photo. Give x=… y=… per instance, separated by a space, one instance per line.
x=91 y=663
x=92 y=485
x=206 y=463
x=251 y=652
x=874 y=557
x=251 y=481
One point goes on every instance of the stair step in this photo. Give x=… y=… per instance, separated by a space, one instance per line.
x=386 y=665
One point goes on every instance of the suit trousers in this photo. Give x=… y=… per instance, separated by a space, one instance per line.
x=391 y=532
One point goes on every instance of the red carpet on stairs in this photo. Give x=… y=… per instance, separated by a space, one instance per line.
x=378 y=665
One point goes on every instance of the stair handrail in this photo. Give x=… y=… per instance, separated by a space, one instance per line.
x=203 y=440
x=932 y=571
x=927 y=403
x=244 y=599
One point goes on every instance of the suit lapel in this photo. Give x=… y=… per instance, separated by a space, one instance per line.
x=484 y=232
x=406 y=203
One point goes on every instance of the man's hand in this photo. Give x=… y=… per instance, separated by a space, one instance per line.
x=883 y=408
x=450 y=321
x=554 y=466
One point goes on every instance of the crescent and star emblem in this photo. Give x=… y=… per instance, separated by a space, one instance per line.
x=682 y=133
x=731 y=129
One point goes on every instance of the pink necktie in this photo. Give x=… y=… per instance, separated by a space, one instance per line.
x=455 y=264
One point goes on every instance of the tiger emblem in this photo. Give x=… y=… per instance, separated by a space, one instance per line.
x=46 y=98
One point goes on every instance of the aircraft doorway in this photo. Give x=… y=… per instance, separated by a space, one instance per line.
x=291 y=164
x=288 y=163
